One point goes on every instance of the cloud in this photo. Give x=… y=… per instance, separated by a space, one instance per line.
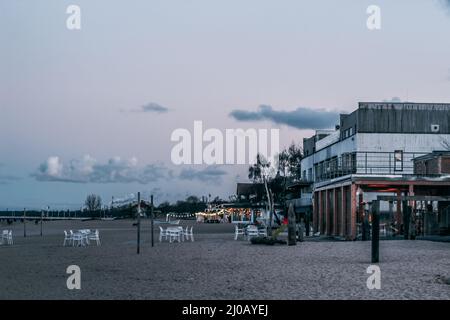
x=153 y=107
x=300 y=118
x=88 y=170
x=446 y=3
x=393 y=99
x=208 y=174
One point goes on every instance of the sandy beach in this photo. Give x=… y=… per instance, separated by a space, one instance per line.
x=214 y=266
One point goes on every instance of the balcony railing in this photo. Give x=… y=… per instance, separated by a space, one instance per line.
x=370 y=163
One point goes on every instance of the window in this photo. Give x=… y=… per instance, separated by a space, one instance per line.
x=398 y=160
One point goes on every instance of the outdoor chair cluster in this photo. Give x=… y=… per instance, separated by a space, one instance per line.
x=249 y=232
x=176 y=233
x=81 y=237
x=7 y=237
x=383 y=230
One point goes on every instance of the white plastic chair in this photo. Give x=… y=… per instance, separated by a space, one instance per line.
x=181 y=231
x=252 y=231
x=262 y=232
x=95 y=236
x=5 y=235
x=67 y=238
x=162 y=233
x=174 y=235
x=189 y=234
x=10 y=237
x=238 y=231
x=383 y=230
x=185 y=233
x=78 y=238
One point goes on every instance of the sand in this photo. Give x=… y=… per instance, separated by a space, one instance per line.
x=214 y=266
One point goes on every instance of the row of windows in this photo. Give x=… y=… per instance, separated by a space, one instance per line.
x=333 y=167
x=347 y=133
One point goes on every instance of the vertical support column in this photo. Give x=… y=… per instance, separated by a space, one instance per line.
x=335 y=212
x=352 y=220
x=342 y=215
x=316 y=206
x=315 y=217
x=327 y=213
x=319 y=221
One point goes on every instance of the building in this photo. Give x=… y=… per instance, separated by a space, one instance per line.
x=378 y=149
x=435 y=163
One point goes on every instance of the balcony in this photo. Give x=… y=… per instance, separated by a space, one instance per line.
x=367 y=163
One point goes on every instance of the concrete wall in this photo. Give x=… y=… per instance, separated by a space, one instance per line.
x=403 y=117
x=389 y=142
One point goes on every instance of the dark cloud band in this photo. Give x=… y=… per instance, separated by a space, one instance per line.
x=300 y=118
x=154 y=107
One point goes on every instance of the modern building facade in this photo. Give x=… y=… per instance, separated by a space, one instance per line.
x=378 y=149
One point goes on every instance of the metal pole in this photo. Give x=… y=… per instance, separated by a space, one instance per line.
x=152 y=217
x=42 y=213
x=376 y=231
x=139 y=223
x=24 y=223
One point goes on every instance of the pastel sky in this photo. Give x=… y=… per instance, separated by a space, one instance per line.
x=92 y=110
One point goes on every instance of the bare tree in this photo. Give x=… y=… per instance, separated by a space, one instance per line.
x=93 y=202
x=262 y=172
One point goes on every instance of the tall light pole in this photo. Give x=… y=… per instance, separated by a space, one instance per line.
x=42 y=214
x=152 y=217
x=24 y=222
x=139 y=223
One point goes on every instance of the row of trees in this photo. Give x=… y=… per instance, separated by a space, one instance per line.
x=191 y=204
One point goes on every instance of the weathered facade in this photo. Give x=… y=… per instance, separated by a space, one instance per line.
x=435 y=163
x=379 y=149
